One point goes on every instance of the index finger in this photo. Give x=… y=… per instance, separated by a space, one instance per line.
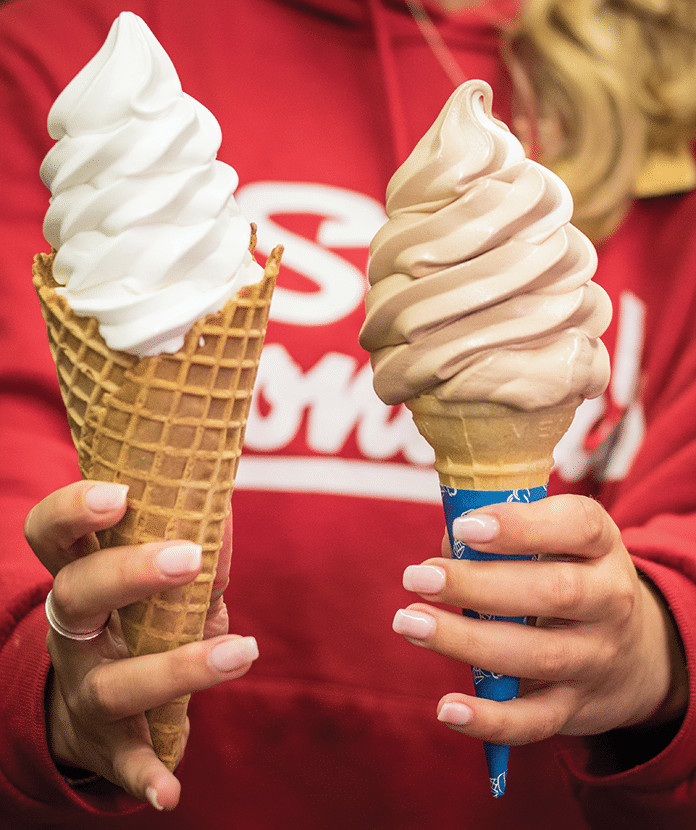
x=61 y=527
x=557 y=527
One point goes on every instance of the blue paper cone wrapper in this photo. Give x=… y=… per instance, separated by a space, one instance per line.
x=487 y=685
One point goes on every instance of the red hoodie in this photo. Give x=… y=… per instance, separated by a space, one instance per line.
x=334 y=727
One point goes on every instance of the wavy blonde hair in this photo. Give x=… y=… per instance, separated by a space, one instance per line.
x=611 y=88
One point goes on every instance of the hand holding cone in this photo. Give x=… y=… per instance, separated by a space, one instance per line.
x=482 y=316
x=172 y=427
x=487 y=453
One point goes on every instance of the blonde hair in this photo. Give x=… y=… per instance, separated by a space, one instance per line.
x=609 y=89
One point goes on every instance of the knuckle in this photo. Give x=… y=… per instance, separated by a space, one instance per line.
x=624 y=600
x=64 y=594
x=179 y=670
x=99 y=694
x=124 y=567
x=594 y=521
x=549 y=723
x=555 y=660
x=498 y=723
x=544 y=726
x=30 y=528
x=509 y=730
x=608 y=653
x=566 y=588
x=72 y=701
x=467 y=643
x=502 y=731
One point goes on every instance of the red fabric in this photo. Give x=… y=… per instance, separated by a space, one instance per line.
x=335 y=725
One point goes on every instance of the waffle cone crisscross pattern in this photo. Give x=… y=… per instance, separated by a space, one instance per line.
x=172 y=428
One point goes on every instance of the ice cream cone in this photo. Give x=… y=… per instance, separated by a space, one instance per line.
x=487 y=453
x=170 y=426
x=490 y=446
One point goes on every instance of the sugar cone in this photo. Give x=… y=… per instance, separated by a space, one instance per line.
x=490 y=446
x=171 y=427
x=487 y=453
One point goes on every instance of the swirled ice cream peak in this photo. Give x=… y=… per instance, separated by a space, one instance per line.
x=148 y=234
x=481 y=289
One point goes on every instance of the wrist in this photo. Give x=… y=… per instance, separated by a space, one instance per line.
x=664 y=678
x=673 y=693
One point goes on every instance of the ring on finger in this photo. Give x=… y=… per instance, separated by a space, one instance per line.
x=59 y=628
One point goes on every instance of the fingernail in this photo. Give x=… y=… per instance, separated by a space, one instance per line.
x=151 y=795
x=104 y=497
x=179 y=559
x=457 y=714
x=413 y=624
x=479 y=528
x=425 y=579
x=233 y=654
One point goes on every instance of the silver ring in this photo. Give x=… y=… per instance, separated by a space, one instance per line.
x=66 y=632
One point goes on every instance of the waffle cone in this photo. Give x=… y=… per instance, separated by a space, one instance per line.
x=171 y=427
x=490 y=446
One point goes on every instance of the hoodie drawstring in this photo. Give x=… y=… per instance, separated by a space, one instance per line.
x=395 y=102
x=499 y=16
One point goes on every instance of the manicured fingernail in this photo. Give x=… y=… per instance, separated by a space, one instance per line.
x=457 y=714
x=179 y=559
x=413 y=624
x=151 y=795
x=104 y=497
x=233 y=654
x=425 y=579
x=479 y=528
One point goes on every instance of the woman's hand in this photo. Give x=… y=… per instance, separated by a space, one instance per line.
x=97 y=694
x=604 y=652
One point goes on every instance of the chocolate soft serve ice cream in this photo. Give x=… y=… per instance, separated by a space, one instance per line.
x=480 y=287
x=156 y=312
x=483 y=319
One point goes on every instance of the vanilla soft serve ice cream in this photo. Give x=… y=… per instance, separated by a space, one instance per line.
x=480 y=287
x=148 y=235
